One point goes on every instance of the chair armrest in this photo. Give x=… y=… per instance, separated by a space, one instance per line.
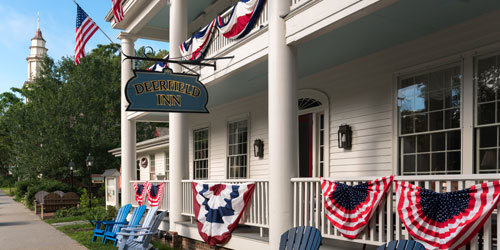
x=135 y=229
x=134 y=234
x=113 y=222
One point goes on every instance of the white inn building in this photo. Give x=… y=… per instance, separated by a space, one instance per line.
x=416 y=81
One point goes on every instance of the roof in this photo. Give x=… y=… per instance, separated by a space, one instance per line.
x=38 y=35
x=111 y=173
x=158 y=143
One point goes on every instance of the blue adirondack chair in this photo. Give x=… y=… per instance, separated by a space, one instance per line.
x=120 y=218
x=301 y=238
x=112 y=228
x=146 y=224
x=140 y=238
x=402 y=245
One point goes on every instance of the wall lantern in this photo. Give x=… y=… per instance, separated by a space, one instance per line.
x=258 y=148
x=345 y=136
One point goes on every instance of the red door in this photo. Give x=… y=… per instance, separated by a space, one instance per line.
x=305 y=145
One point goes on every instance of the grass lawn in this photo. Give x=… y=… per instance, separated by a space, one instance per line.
x=83 y=234
x=64 y=219
x=7 y=190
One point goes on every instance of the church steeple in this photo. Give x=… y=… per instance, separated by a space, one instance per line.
x=37 y=52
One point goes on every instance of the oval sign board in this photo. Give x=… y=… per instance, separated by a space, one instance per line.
x=166 y=92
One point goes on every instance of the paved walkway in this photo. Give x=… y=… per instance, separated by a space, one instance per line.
x=21 y=229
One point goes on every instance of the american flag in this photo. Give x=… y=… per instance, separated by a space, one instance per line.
x=85 y=28
x=155 y=192
x=140 y=192
x=445 y=220
x=117 y=10
x=349 y=208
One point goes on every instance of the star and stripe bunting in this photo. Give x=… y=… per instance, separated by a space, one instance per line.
x=117 y=10
x=195 y=47
x=445 y=220
x=243 y=17
x=349 y=208
x=141 y=191
x=159 y=66
x=85 y=29
x=155 y=193
x=218 y=209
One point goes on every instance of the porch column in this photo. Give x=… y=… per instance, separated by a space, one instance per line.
x=283 y=128
x=178 y=121
x=127 y=126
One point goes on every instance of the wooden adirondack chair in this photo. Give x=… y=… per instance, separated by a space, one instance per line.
x=402 y=245
x=146 y=224
x=120 y=218
x=112 y=228
x=140 y=239
x=303 y=238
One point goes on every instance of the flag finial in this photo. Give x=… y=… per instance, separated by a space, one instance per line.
x=38 y=20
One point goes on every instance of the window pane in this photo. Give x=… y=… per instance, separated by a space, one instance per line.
x=423 y=143
x=452 y=98
x=423 y=163
x=436 y=120
x=438 y=162
x=436 y=100
x=421 y=123
x=409 y=144
x=436 y=81
x=407 y=125
x=452 y=118
x=486 y=113
x=488 y=137
x=454 y=140
x=488 y=159
x=484 y=91
x=438 y=141
x=421 y=97
x=454 y=161
x=409 y=164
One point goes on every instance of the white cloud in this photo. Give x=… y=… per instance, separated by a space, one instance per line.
x=18 y=27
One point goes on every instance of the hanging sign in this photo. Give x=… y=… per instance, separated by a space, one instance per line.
x=166 y=92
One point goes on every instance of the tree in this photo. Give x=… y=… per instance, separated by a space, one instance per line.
x=72 y=111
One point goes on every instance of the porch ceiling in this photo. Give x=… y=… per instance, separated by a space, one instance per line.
x=400 y=22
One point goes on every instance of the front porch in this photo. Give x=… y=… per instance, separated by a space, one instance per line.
x=308 y=210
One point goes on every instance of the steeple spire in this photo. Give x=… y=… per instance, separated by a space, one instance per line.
x=38 y=20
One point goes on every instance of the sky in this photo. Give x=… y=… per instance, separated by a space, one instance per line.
x=18 y=20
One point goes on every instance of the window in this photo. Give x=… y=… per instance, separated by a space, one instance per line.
x=200 y=150
x=152 y=167
x=429 y=122
x=138 y=170
x=487 y=114
x=167 y=166
x=321 y=144
x=237 y=157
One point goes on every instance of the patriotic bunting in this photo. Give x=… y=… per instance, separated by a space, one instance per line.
x=117 y=10
x=159 y=66
x=243 y=17
x=155 y=192
x=349 y=208
x=196 y=46
x=141 y=192
x=218 y=208
x=445 y=220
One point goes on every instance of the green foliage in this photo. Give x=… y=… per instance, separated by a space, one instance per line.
x=22 y=188
x=111 y=211
x=84 y=200
x=97 y=213
x=71 y=111
x=70 y=212
x=26 y=189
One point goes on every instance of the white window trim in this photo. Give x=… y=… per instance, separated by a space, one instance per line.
x=192 y=150
x=467 y=76
x=237 y=118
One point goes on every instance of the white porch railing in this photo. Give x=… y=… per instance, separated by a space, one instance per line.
x=165 y=200
x=257 y=213
x=385 y=224
x=220 y=43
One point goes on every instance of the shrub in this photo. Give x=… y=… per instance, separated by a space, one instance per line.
x=111 y=212
x=44 y=185
x=21 y=188
x=97 y=213
x=84 y=200
x=70 y=212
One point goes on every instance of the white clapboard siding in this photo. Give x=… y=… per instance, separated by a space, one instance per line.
x=255 y=108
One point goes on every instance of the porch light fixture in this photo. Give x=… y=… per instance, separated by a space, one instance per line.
x=345 y=136
x=258 y=148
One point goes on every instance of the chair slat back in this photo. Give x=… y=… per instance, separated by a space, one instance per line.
x=121 y=216
x=148 y=221
x=301 y=238
x=156 y=223
x=402 y=245
x=134 y=218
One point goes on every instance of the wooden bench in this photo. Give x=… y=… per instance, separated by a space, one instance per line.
x=51 y=202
